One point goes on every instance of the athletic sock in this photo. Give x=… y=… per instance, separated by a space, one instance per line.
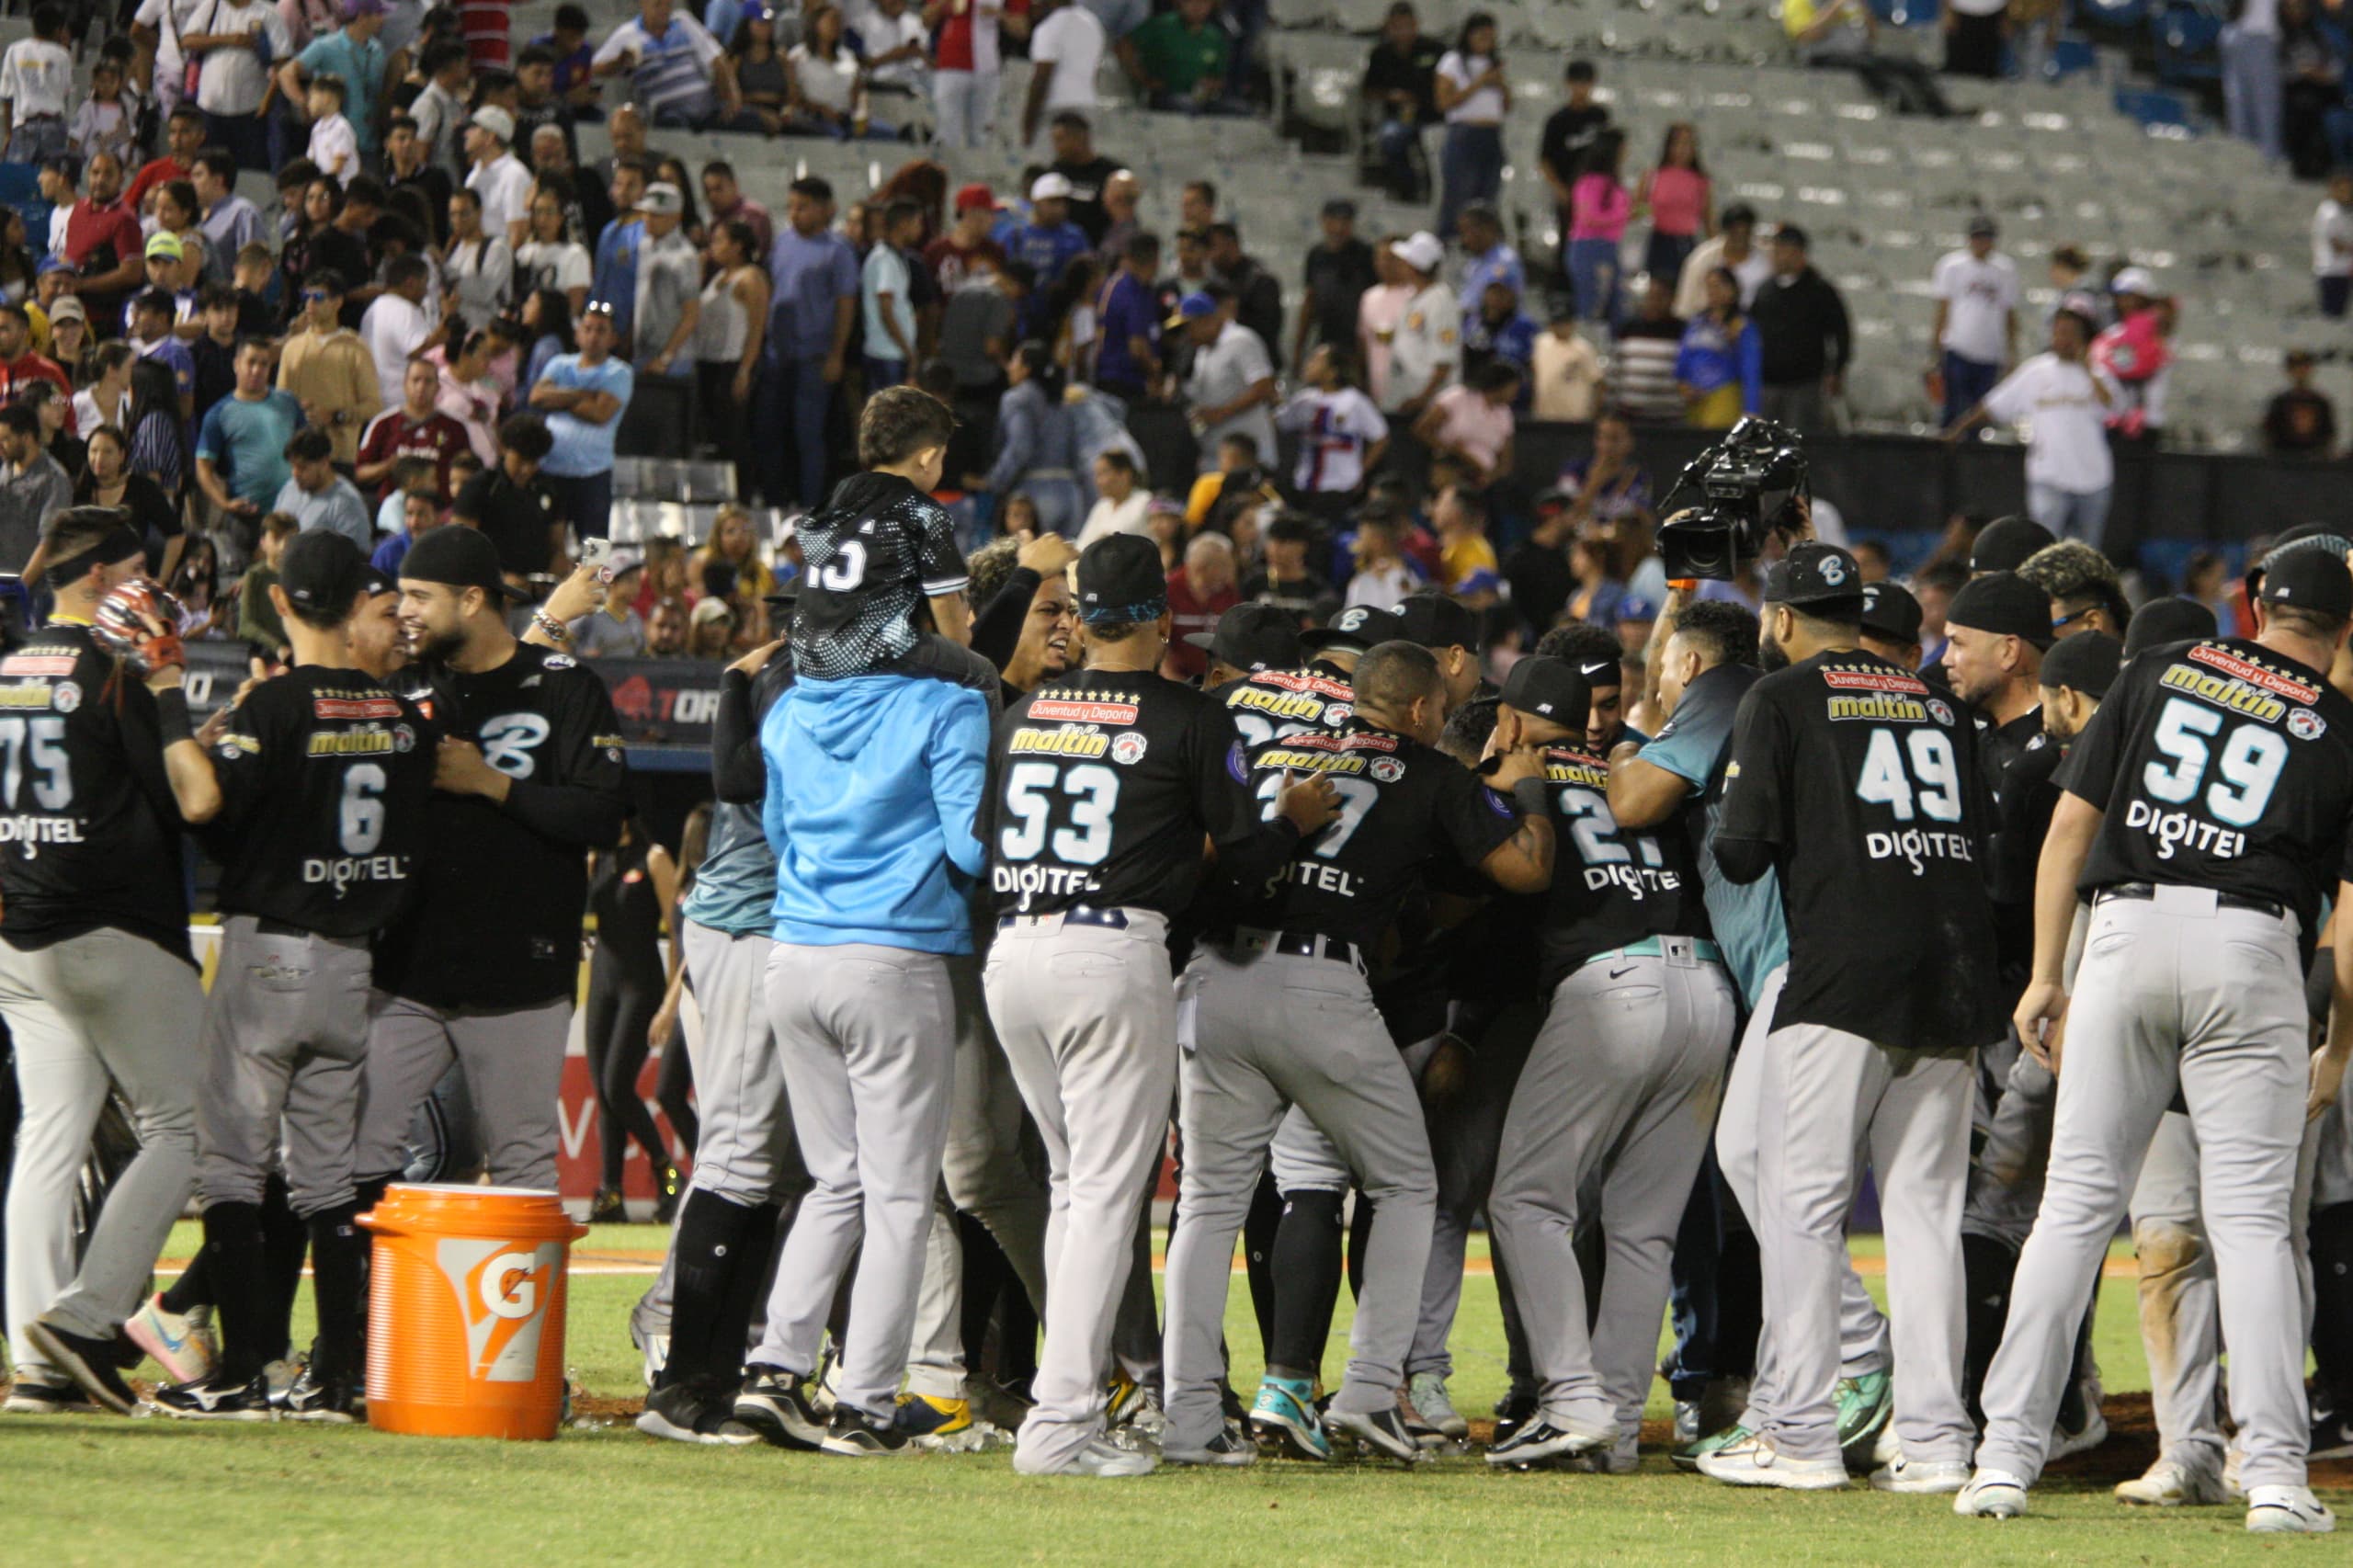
x=338 y=1273
x=1257 y=1253
x=1987 y=1268
x=713 y=1240
x=193 y=1288
x=1359 y=1243
x=233 y=1235
x=1306 y=1267
x=2331 y=1252
x=285 y=1238
x=748 y=1289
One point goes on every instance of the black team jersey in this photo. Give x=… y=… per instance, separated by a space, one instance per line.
x=1404 y=809
x=1610 y=886
x=1864 y=784
x=2219 y=765
x=878 y=548
x=1275 y=703
x=324 y=775
x=91 y=835
x=496 y=922
x=1102 y=787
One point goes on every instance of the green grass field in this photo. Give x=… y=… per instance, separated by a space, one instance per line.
x=115 y=1492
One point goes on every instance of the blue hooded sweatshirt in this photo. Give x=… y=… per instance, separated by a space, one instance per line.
x=874 y=788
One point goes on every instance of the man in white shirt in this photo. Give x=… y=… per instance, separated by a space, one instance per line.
x=1232 y=389
x=896 y=42
x=2062 y=399
x=395 y=326
x=1975 y=334
x=1065 y=50
x=36 y=84
x=1735 y=246
x=1426 y=352
x=678 y=73
x=234 y=76
x=2333 y=245
x=498 y=177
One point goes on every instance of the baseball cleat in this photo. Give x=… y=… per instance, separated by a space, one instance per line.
x=1427 y=1391
x=89 y=1362
x=2287 y=1510
x=1865 y=1404
x=2081 y=1426
x=173 y=1339
x=1752 y=1461
x=1101 y=1462
x=1381 y=1431
x=2169 y=1483
x=1687 y=1422
x=775 y=1405
x=941 y=1424
x=1921 y=1475
x=1688 y=1456
x=48 y=1399
x=1991 y=1495
x=1122 y=1397
x=853 y=1434
x=308 y=1398
x=1621 y=1458
x=1284 y=1412
x=680 y=1413
x=1539 y=1440
x=216 y=1399
x=2332 y=1437
x=1224 y=1450
x=1514 y=1411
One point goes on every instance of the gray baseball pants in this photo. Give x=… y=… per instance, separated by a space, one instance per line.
x=1088 y=1018
x=105 y=1006
x=2176 y=993
x=513 y=1060
x=1264 y=1031
x=285 y=1048
x=2005 y=1181
x=867 y=1036
x=1823 y=1093
x=1618 y=1098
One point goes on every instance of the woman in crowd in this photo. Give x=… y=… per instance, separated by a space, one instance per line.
x=107 y=399
x=763 y=75
x=829 y=82
x=1717 y=367
x=1599 y=210
x=196 y=585
x=673 y=171
x=728 y=566
x=468 y=393
x=1474 y=98
x=1069 y=323
x=19 y=271
x=1120 y=499
x=55 y=408
x=478 y=267
x=629 y=888
x=158 y=441
x=313 y=242
x=728 y=338
x=711 y=630
x=547 y=322
x=106 y=480
x=1676 y=194
x=1600 y=579
x=1036 y=455
x=550 y=259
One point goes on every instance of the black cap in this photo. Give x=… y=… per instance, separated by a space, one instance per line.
x=2003 y=544
x=1891 y=611
x=455 y=556
x=321 y=572
x=2005 y=605
x=378 y=584
x=1120 y=578
x=1814 y=574
x=2315 y=580
x=2087 y=663
x=1356 y=628
x=1434 y=621
x=2163 y=621
x=1549 y=689
x=1252 y=637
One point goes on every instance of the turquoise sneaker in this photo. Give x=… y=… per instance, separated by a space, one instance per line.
x=1865 y=1403
x=1285 y=1412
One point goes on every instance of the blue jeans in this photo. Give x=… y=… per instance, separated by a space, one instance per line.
x=881 y=373
x=2070 y=514
x=1397 y=142
x=1593 y=272
x=35 y=141
x=793 y=395
x=1664 y=255
x=1966 y=383
x=1470 y=169
x=2251 y=94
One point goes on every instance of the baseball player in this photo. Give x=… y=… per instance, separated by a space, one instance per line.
x=1102 y=789
x=324 y=775
x=96 y=983
x=2205 y=814
x=528 y=775
x=1619 y=1092
x=1859 y=787
x=1275 y=1012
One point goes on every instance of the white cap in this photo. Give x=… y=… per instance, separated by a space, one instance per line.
x=1049 y=187
x=1422 y=251
x=2136 y=280
x=495 y=121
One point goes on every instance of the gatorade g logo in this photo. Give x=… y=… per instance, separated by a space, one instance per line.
x=502 y=1292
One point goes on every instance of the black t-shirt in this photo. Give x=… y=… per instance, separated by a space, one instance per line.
x=1566 y=136
x=1864 y=785
x=1298 y=595
x=1404 y=809
x=91 y=834
x=2219 y=765
x=1415 y=72
x=1610 y=886
x=1087 y=181
x=1101 y=788
x=878 y=548
x=520 y=519
x=324 y=775
x=216 y=373
x=1274 y=703
x=1338 y=280
x=500 y=888
x=432 y=182
x=528 y=118
x=2030 y=793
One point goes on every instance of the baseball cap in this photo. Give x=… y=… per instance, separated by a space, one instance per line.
x=1252 y=637
x=663 y=198
x=456 y=558
x=2161 y=621
x=976 y=198
x=322 y=571
x=1433 y=621
x=2135 y=280
x=2309 y=579
x=2005 y=605
x=1050 y=186
x=1119 y=578
x=709 y=609
x=623 y=562
x=375 y=585
x=1546 y=687
x=69 y=307
x=1358 y=627
x=2003 y=544
x=1814 y=574
x=1981 y=226
x=495 y=121
x=1192 y=307
x=2087 y=661
x=165 y=246
x=1891 y=611
x=1421 y=251
x=53 y=261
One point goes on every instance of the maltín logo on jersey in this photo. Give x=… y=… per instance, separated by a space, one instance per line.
x=503 y=1291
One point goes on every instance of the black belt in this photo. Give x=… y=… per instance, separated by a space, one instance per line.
x=1290 y=944
x=2147 y=891
x=278 y=928
x=1078 y=914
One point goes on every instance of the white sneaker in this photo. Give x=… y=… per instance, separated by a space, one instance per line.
x=1991 y=1495
x=1756 y=1462
x=2173 y=1484
x=1921 y=1476
x=2287 y=1510
x=1427 y=1391
x=1099 y=1459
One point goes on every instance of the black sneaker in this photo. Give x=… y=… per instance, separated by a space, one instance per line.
x=47 y=1399
x=684 y=1412
x=2332 y=1437
x=309 y=1399
x=1536 y=1440
x=1515 y=1410
x=89 y=1362
x=775 y=1405
x=1380 y=1432
x=216 y=1399
x=856 y=1435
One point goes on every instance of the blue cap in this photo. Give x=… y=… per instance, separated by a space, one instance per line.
x=1192 y=307
x=1633 y=607
x=52 y=262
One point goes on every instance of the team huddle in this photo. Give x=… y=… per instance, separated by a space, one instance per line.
x=1348 y=916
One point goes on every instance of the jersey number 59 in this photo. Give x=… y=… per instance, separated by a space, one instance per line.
x=2249 y=762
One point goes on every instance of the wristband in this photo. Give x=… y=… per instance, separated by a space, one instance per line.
x=172 y=717
x=1531 y=796
x=552 y=626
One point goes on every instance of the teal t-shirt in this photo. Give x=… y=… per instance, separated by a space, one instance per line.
x=361 y=66
x=246 y=442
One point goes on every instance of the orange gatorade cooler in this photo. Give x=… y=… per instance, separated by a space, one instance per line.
x=465 y=1309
